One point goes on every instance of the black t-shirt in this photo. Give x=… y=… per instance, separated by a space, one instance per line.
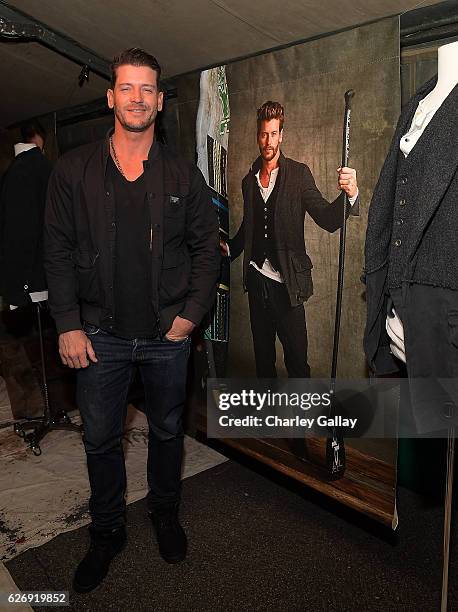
x=134 y=314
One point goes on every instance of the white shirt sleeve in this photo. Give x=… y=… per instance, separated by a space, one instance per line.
x=354 y=198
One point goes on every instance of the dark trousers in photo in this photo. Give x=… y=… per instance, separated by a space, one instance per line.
x=102 y=390
x=271 y=315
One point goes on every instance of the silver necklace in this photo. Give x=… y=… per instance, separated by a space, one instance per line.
x=115 y=157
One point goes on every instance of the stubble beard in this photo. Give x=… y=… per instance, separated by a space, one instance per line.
x=135 y=127
x=268 y=155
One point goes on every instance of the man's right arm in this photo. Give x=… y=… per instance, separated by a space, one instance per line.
x=328 y=215
x=59 y=246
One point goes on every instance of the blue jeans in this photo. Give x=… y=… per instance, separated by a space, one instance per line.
x=102 y=390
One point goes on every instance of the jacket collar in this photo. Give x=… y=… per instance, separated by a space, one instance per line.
x=411 y=107
x=442 y=129
x=23 y=147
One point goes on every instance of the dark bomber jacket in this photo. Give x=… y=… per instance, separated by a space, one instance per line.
x=80 y=237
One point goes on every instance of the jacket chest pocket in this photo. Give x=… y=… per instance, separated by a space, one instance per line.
x=175 y=199
x=174 y=205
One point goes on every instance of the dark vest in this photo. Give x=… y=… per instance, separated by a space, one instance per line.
x=264 y=227
x=403 y=212
x=418 y=236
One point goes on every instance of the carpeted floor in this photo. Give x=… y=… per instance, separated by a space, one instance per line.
x=47 y=495
x=260 y=543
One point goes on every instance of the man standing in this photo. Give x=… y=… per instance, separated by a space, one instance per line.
x=277 y=192
x=132 y=262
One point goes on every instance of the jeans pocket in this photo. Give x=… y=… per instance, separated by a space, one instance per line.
x=177 y=342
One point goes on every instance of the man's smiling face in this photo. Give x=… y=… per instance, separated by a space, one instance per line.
x=135 y=97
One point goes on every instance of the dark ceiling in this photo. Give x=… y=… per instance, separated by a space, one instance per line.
x=184 y=35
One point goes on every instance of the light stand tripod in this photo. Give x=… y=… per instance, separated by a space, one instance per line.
x=42 y=425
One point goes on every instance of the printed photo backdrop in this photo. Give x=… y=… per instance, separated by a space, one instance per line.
x=310 y=80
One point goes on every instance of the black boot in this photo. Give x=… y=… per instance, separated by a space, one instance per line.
x=170 y=535
x=105 y=545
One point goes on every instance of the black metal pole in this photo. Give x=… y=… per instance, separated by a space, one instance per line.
x=44 y=380
x=343 y=234
x=335 y=448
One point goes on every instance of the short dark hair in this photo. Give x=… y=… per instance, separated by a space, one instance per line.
x=31 y=129
x=271 y=110
x=134 y=57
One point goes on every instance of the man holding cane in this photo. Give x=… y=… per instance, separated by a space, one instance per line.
x=277 y=193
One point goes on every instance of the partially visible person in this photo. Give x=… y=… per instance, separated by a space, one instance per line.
x=22 y=205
